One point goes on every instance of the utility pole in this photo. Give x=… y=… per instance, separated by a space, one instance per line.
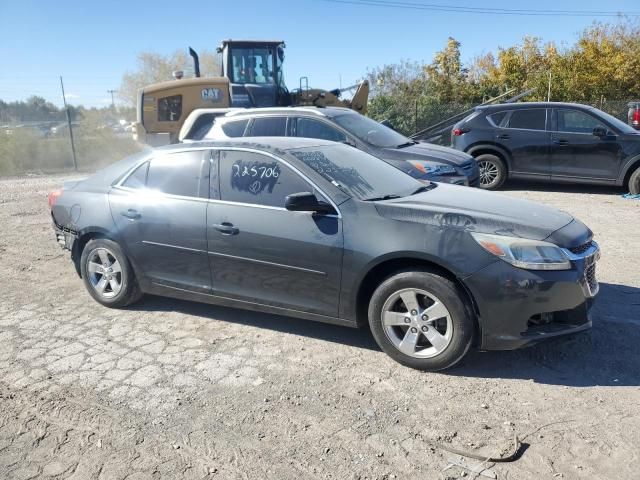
x=113 y=105
x=66 y=108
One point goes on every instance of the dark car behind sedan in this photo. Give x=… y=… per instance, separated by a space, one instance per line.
x=322 y=231
x=423 y=161
x=548 y=141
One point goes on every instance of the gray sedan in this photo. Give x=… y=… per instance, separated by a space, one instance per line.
x=321 y=231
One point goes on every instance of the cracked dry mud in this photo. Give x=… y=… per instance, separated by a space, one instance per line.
x=171 y=389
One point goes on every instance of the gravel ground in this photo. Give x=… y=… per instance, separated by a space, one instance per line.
x=171 y=389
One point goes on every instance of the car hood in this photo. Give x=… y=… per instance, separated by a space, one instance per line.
x=431 y=152
x=474 y=210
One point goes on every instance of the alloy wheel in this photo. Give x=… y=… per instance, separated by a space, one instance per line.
x=417 y=323
x=488 y=172
x=105 y=273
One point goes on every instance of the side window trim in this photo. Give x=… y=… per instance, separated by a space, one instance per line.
x=288 y=165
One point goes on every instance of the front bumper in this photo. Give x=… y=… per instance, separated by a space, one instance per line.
x=456 y=180
x=518 y=307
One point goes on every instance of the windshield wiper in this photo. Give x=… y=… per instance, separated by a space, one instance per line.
x=384 y=197
x=424 y=188
x=407 y=144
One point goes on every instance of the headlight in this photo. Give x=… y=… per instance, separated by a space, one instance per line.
x=523 y=253
x=433 y=168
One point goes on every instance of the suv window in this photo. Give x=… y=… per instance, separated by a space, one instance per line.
x=201 y=126
x=497 y=118
x=177 y=173
x=312 y=128
x=534 y=119
x=254 y=178
x=138 y=179
x=235 y=129
x=269 y=127
x=575 y=121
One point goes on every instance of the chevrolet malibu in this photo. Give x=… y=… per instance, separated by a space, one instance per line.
x=320 y=231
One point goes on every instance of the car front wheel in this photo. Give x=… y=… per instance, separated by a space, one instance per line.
x=107 y=274
x=420 y=320
x=493 y=172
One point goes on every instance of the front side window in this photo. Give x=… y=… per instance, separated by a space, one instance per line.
x=357 y=173
x=575 y=121
x=170 y=108
x=252 y=65
x=534 y=119
x=177 y=173
x=269 y=127
x=311 y=128
x=248 y=177
x=370 y=131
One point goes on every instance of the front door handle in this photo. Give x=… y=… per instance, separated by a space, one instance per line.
x=131 y=214
x=503 y=136
x=559 y=141
x=226 y=228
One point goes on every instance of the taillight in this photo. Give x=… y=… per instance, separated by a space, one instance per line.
x=53 y=197
x=459 y=131
x=636 y=117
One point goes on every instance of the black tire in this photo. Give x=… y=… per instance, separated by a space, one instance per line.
x=460 y=319
x=634 y=182
x=493 y=171
x=129 y=291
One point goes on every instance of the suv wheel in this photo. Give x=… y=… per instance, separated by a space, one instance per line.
x=420 y=320
x=107 y=274
x=493 y=171
x=634 y=182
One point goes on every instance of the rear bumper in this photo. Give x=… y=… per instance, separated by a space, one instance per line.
x=519 y=307
x=64 y=237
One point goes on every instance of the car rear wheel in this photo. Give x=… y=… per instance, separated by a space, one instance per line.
x=634 y=182
x=420 y=320
x=107 y=274
x=493 y=172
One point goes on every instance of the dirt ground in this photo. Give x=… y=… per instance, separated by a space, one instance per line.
x=171 y=389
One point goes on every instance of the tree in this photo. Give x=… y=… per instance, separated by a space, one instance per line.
x=155 y=67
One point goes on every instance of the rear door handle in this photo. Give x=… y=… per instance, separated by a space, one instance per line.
x=559 y=141
x=226 y=228
x=504 y=136
x=131 y=214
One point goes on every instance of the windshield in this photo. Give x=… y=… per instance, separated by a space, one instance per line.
x=357 y=173
x=370 y=131
x=252 y=65
x=617 y=123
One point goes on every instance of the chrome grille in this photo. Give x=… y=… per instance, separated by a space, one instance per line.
x=590 y=277
x=581 y=248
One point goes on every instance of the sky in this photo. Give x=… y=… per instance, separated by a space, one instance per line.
x=91 y=44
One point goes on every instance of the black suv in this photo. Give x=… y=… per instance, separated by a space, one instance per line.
x=561 y=142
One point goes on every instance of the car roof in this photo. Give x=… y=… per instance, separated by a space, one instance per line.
x=319 y=111
x=522 y=105
x=267 y=144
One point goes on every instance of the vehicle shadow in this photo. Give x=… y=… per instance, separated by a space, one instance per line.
x=608 y=355
x=522 y=185
x=360 y=338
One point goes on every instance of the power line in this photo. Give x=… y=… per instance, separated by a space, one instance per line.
x=485 y=10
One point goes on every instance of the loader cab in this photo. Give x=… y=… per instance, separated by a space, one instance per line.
x=254 y=70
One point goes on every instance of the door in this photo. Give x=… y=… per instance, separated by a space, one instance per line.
x=160 y=211
x=262 y=253
x=525 y=135
x=576 y=153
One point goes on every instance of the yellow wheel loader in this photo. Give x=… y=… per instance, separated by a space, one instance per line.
x=251 y=77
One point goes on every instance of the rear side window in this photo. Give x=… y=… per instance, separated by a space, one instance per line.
x=311 y=128
x=534 y=119
x=269 y=127
x=201 y=126
x=235 y=129
x=170 y=108
x=497 y=118
x=177 y=173
x=138 y=179
x=248 y=177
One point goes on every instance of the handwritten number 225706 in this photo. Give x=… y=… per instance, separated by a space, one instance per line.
x=260 y=172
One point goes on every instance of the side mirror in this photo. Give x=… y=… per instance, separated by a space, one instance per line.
x=600 y=132
x=306 y=202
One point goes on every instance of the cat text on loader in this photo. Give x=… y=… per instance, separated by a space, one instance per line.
x=251 y=77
